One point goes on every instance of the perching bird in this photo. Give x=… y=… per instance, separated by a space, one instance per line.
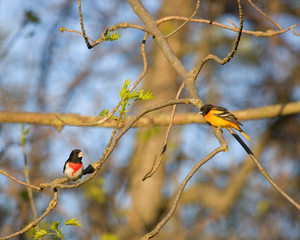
x=221 y=117
x=73 y=168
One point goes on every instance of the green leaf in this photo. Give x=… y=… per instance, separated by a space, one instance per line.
x=111 y=36
x=40 y=234
x=54 y=225
x=124 y=90
x=59 y=234
x=144 y=96
x=73 y=221
x=103 y=113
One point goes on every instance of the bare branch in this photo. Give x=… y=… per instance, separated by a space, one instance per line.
x=82 y=26
x=27 y=179
x=156 y=163
x=197 y=70
x=50 y=207
x=110 y=147
x=49 y=119
x=20 y=182
x=151 y=25
x=262 y=170
x=180 y=191
x=187 y=21
x=268 y=33
x=265 y=15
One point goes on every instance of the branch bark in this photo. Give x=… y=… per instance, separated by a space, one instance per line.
x=49 y=119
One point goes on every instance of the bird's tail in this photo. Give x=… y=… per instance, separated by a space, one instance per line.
x=245 y=135
x=88 y=170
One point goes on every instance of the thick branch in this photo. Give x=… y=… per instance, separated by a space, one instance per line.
x=160 y=39
x=49 y=119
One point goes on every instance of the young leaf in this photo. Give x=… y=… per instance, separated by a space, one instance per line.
x=111 y=36
x=103 y=113
x=144 y=96
x=124 y=90
x=73 y=221
x=40 y=234
x=59 y=234
x=54 y=225
x=24 y=133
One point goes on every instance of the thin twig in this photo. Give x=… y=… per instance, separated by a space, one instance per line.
x=109 y=115
x=156 y=163
x=197 y=70
x=97 y=165
x=268 y=33
x=102 y=36
x=262 y=170
x=29 y=190
x=51 y=206
x=20 y=182
x=82 y=26
x=265 y=15
x=145 y=63
x=187 y=21
x=180 y=191
x=296 y=34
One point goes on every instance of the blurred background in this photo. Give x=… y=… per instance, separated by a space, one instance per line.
x=45 y=70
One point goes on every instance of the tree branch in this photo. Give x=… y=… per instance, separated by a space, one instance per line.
x=51 y=206
x=180 y=191
x=49 y=119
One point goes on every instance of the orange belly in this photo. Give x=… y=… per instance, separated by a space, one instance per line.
x=217 y=121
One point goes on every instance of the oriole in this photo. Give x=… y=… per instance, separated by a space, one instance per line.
x=221 y=117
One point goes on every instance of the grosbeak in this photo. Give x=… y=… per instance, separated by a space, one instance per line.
x=73 y=168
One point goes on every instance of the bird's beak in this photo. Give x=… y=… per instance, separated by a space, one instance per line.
x=80 y=154
x=199 y=112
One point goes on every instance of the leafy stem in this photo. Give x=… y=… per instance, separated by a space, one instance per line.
x=127 y=98
x=54 y=229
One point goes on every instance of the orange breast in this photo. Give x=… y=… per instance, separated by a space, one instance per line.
x=218 y=121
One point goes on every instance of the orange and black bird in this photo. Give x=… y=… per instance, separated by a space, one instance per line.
x=221 y=117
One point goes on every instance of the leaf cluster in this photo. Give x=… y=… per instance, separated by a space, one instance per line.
x=111 y=36
x=127 y=98
x=55 y=231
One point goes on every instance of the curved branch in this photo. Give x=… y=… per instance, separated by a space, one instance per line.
x=97 y=165
x=262 y=170
x=180 y=191
x=268 y=33
x=187 y=21
x=51 y=206
x=20 y=182
x=265 y=15
x=197 y=70
x=156 y=164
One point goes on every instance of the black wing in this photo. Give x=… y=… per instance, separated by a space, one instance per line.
x=225 y=114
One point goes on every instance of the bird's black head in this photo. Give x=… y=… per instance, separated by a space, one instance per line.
x=205 y=109
x=76 y=155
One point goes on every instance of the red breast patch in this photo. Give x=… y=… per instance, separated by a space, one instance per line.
x=75 y=167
